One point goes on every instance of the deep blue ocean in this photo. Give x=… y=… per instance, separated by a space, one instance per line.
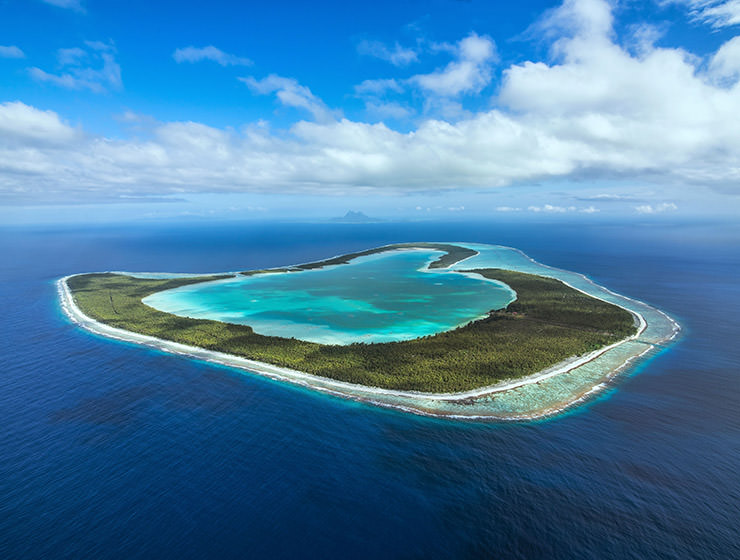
x=111 y=450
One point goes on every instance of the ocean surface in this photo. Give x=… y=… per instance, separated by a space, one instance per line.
x=113 y=450
x=378 y=298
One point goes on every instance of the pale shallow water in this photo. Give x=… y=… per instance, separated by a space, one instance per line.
x=379 y=298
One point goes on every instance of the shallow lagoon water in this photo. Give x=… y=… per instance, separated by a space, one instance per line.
x=378 y=298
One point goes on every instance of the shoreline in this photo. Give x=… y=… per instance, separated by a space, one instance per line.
x=294 y=269
x=396 y=399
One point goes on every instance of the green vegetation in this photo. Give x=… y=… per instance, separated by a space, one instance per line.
x=452 y=254
x=547 y=323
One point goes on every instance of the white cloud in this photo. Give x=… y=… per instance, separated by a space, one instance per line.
x=378 y=87
x=11 y=51
x=607 y=197
x=396 y=55
x=595 y=110
x=724 y=66
x=717 y=13
x=195 y=54
x=644 y=36
x=292 y=94
x=391 y=110
x=374 y=92
x=94 y=68
x=30 y=127
x=469 y=73
x=657 y=209
x=550 y=209
x=632 y=114
x=589 y=19
x=70 y=4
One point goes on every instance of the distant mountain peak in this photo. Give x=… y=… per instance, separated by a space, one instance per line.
x=356 y=217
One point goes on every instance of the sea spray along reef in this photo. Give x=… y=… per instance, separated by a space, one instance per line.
x=556 y=342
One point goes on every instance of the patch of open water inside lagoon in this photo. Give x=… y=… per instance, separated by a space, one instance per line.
x=378 y=298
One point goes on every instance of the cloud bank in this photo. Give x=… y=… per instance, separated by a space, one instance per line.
x=597 y=108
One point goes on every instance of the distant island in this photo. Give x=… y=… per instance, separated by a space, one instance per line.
x=549 y=328
x=353 y=217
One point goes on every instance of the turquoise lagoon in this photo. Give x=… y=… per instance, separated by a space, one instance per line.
x=384 y=297
x=439 y=299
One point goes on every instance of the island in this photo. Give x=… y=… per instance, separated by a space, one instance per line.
x=356 y=217
x=550 y=329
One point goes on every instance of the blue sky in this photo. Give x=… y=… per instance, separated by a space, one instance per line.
x=583 y=109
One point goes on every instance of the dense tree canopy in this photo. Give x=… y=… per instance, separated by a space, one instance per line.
x=547 y=323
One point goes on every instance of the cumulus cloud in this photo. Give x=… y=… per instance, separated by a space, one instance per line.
x=656 y=209
x=588 y=19
x=11 y=51
x=196 y=54
x=593 y=110
x=652 y=112
x=470 y=72
x=725 y=64
x=93 y=68
x=290 y=93
x=508 y=209
x=396 y=55
x=30 y=127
